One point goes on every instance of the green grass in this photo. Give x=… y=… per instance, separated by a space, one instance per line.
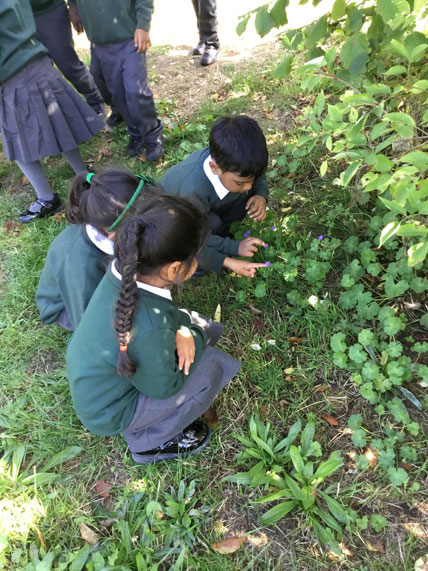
x=36 y=408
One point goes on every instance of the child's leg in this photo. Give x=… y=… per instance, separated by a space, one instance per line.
x=157 y=421
x=74 y=159
x=37 y=178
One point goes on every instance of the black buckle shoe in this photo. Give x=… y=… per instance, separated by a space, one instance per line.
x=198 y=50
x=134 y=147
x=193 y=439
x=41 y=209
x=210 y=55
x=113 y=120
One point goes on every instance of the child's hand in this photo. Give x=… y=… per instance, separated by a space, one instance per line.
x=248 y=247
x=242 y=267
x=75 y=20
x=142 y=40
x=185 y=345
x=256 y=207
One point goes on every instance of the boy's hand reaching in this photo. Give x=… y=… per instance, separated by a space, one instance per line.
x=185 y=345
x=248 y=247
x=242 y=267
x=75 y=20
x=142 y=40
x=256 y=207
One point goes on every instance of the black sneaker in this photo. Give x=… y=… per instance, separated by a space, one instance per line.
x=134 y=147
x=41 y=209
x=154 y=151
x=114 y=120
x=100 y=110
x=198 y=50
x=210 y=55
x=193 y=439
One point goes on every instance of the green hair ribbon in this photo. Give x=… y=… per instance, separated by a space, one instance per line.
x=143 y=179
x=89 y=177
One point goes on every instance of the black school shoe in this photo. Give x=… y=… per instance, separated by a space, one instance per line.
x=210 y=55
x=113 y=121
x=198 y=50
x=134 y=147
x=193 y=439
x=154 y=151
x=41 y=209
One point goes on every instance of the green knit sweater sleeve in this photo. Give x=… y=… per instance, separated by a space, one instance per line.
x=261 y=187
x=144 y=11
x=213 y=254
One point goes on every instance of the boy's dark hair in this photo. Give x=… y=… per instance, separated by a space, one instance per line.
x=100 y=202
x=237 y=145
x=165 y=229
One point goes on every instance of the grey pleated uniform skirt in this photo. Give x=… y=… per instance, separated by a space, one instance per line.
x=155 y=421
x=42 y=115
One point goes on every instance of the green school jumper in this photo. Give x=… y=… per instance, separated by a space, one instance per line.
x=109 y=21
x=188 y=179
x=104 y=401
x=18 y=45
x=73 y=269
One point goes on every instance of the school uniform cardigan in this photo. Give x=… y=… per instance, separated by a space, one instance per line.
x=18 y=45
x=104 y=401
x=41 y=6
x=188 y=179
x=73 y=269
x=109 y=21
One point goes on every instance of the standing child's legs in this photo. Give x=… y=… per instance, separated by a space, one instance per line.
x=74 y=159
x=54 y=31
x=47 y=202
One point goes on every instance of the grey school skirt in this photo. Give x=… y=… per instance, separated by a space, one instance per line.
x=42 y=115
x=157 y=420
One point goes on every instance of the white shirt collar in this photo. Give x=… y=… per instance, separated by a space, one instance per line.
x=99 y=240
x=161 y=291
x=214 y=179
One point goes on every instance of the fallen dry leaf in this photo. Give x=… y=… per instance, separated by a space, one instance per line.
x=345 y=550
x=377 y=547
x=102 y=488
x=40 y=535
x=229 y=545
x=264 y=410
x=108 y=522
x=12 y=227
x=330 y=419
x=295 y=339
x=58 y=216
x=282 y=403
x=405 y=466
x=289 y=379
x=103 y=152
x=372 y=455
x=252 y=389
x=211 y=417
x=24 y=180
x=421 y=564
x=321 y=388
x=257 y=325
x=87 y=534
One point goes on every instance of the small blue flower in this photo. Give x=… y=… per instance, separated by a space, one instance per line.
x=267 y=264
x=273 y=227
x=320 y=237
x=266 y=245
x=247 y=234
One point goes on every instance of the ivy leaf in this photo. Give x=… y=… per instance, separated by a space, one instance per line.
x=374 y=269
x=340 y=360
x=394 y=349
x=382 y=384
x=351 y=244
x=398 y=410
x=347 y=281
x=368 y=393
x=337 y=342
x=408 y=453
x=370 y=371
x=354 y=421
x=419 y=285
x=260 y=290
x=358 y=438
x=397 y=476
x=368 y=311
x=393 y=289
x=357 y=353
x=365 y=337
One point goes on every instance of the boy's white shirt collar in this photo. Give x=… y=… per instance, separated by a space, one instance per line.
x=99 y=240
x=214 y=179
x=161 y=291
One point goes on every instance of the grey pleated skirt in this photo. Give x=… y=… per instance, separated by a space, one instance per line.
x=157 y=420
x=42 y=115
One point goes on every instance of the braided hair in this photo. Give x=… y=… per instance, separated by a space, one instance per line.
x=101 y=201
x=165 y=229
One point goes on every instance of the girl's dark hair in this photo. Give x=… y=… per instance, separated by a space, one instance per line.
x=163 y=230
x=237 y=145
x=100 y=202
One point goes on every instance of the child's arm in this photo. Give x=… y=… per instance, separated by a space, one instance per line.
x=144 y=10
x=242 y=267
x=185 y=345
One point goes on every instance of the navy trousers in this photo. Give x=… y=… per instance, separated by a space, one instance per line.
x=53 y=30
x=206 y=15
x=121 y=74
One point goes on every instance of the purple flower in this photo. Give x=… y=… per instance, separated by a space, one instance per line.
x=266 y=245
x=273 y=227
x=267 y=264
x=247 y=234
x=321 y=237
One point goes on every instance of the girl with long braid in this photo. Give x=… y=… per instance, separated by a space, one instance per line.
x=137 y=364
